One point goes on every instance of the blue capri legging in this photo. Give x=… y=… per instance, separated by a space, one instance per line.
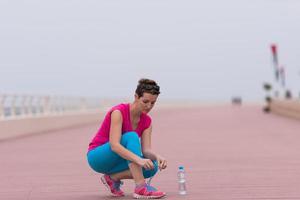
x=103 y=160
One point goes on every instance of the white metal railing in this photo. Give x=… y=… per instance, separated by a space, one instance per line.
x=12 y=105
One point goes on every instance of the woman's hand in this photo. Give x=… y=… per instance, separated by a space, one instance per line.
x=146 y=163
x=162 y=162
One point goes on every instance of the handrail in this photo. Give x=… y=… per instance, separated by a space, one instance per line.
x=14 y=105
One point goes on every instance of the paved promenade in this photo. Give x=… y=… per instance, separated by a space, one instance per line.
x=229 y=153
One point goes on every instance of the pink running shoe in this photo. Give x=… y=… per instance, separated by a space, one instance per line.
x=112 y=186
x=147 y=192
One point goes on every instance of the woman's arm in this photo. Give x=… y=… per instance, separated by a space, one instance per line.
x=147 y=151
x=146 y=144
x=115 y=137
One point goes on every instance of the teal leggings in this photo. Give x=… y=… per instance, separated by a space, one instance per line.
x=103 y=160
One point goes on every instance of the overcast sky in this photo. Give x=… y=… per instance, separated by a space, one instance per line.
x=202 y=50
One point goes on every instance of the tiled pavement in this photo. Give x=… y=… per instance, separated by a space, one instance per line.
x=228 y=152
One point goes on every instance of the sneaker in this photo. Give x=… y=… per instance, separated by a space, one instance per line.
x=112 y=186
x=147 y=192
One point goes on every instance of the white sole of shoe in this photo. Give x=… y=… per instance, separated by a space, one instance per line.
x=137 y=196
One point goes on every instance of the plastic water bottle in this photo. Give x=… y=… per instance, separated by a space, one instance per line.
x=181 y=181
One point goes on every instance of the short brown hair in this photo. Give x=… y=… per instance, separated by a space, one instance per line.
x=148 y=86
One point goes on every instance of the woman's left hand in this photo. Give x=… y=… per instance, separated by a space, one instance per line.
x=162 y=162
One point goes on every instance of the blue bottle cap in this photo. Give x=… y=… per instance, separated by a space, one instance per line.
x=181 y=167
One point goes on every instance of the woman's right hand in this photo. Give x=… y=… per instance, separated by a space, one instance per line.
x=146 y=163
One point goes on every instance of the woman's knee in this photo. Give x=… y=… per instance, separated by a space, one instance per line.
x=150 y=173
x=129 y=136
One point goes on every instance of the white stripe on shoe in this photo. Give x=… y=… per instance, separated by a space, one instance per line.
x=138 y=196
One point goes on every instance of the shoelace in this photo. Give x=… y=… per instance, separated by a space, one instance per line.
x=151 y=188
x=149 y=180
x=117 y=184
x=149 y=183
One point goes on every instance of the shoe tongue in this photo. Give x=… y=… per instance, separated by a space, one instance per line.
x=151 y=189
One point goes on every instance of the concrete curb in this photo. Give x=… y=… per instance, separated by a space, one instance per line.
x=287 y=108
x=19 y=127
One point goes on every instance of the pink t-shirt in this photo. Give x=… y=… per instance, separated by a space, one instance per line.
x=102 y=135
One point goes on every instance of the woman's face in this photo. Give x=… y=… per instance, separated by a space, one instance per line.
x=146 y=102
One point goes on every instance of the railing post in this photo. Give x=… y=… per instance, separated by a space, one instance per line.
x=23 y=109
x=83 y=104
x=30 y=107
x=46 y=100
x=2 y=101
x=39 y=105
x=13 y=106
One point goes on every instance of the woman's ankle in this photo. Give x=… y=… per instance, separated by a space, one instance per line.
x=140 y=184
x=112 y=177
